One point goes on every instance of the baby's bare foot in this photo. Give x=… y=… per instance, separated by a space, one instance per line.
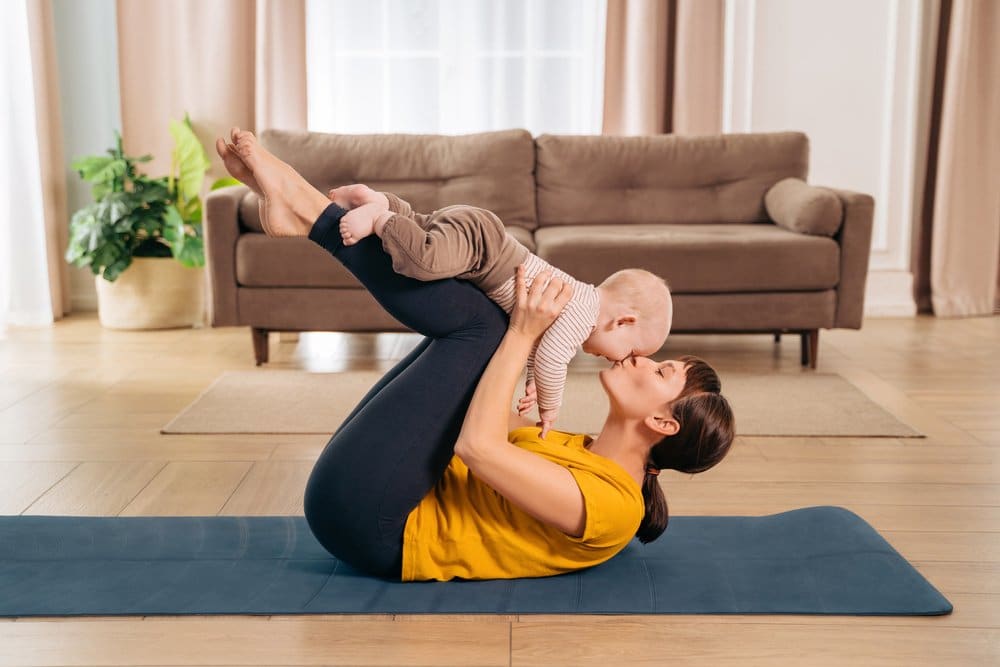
x=352 y=196
x=291 y=203
x=359 y=223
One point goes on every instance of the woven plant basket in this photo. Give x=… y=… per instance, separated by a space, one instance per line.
x=152 y=293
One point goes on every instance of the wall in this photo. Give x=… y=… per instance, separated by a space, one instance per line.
x=850 y=75
x=87 y=53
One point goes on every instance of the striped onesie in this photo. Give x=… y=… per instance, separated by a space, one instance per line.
x=472 y=244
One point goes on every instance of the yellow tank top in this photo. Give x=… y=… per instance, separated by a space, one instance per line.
x=463 y=528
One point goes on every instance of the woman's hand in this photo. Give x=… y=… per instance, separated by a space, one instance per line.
x=538 y=307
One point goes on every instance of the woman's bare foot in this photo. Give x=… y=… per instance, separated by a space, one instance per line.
x=238 y=170
x=292 y=204
x=235 y=166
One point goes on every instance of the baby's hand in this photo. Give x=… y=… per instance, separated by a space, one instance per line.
x=528 y=400
x=546 y=417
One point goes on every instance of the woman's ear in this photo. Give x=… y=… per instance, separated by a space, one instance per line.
x=663 y=425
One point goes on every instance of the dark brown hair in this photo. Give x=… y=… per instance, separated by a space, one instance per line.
x=705 y=435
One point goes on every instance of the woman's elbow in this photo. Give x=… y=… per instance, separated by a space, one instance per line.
x=471 y=451
x=463 y=449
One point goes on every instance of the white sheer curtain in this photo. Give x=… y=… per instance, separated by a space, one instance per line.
x=24 y=279
x=455 y=66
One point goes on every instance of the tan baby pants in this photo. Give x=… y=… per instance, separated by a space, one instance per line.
x=456 y=241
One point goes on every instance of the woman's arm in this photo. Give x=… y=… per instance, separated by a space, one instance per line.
x=515 y=420
x=543 y=489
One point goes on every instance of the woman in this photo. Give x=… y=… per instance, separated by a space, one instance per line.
x=432 y=476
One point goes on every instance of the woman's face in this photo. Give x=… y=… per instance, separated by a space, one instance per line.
x=639 y=387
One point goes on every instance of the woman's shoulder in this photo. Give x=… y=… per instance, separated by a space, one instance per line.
x=564 y=447
x=613 y=498
x=572 y=449
x=533 y=432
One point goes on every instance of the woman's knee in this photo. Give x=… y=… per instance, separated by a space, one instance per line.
x=492 y=322
x=352 y=535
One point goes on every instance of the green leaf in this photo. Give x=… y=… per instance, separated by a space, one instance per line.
x=192 y=212
x=190 y=159
x=100 y=169
x=173 y=229
x=193 y=253
x=112 y=272
x=225 y=183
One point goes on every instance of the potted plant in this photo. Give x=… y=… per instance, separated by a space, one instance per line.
x=149 y=226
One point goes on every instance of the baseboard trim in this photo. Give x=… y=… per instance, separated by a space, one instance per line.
x=83 y=301
x=889 y=294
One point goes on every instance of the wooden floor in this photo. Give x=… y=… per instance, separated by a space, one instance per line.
x=80 y=409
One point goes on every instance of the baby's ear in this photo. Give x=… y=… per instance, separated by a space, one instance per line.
x=627 y=318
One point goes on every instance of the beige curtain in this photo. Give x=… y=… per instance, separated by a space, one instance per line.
x=224 y=63
x=45 y=76
x=663 y=69
x=956 y=265
x=698 y=69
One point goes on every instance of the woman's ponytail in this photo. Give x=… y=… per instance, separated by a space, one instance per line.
x=707 y=428
x=655 y=520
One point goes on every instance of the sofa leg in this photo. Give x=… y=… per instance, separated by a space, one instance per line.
x=777 y=336
x=810 y=347
x=259 y=344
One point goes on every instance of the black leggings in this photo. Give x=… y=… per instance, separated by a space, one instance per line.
x=395 y=445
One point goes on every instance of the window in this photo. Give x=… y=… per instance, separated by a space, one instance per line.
x=455 y=66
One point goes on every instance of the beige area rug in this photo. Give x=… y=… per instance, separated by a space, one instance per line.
x=292 y=401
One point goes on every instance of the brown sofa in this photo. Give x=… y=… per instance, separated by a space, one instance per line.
x=728 y=220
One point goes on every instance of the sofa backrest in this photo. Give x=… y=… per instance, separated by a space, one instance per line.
x=492 y=170
x=666 y=178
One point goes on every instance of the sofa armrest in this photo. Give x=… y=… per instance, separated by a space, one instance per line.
x=221 y=228
x=855 y=240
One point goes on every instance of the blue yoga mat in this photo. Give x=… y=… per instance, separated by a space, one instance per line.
x=813 y=560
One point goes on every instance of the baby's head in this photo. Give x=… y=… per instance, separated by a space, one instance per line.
x=635 y=316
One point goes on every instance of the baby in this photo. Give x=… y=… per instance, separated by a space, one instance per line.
x=629 y=313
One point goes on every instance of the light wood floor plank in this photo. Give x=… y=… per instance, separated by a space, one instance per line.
x=991 y=438
x=24 y=483
x=96 y=488
x=703 y=642
x=980 y=578
x=971 y=610
x=189 y=488
x=270 y=487
x=227 y=641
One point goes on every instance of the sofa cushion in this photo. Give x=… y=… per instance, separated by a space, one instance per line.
x=250 y=213
x=263 y=261
x=696 y=259
x=523 y=235
x=753 y=311
x=663 y=178
x=493 y=170
x=803 y=208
